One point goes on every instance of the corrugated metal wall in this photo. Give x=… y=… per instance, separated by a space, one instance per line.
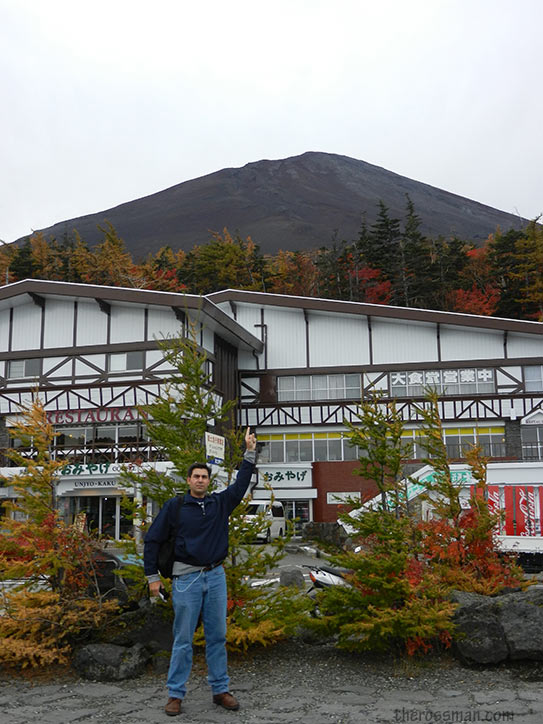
x=4 y=329
x=127 y=323
x=248 y=316
x=335 y=340
x=459 y=343
x=522 y=345
x=59 y=323
x=91 y=324
x=161 y=322
x=286 y=337
x=26 y=326
x=395 y=342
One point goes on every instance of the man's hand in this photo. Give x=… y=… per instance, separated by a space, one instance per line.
x=250 y=439
x=154 y=588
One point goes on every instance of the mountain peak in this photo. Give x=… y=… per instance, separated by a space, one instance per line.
x=295 y=203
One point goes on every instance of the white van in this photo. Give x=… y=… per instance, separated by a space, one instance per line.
x=274 y=516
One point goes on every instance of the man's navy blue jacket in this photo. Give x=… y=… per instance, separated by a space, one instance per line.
x=202 y=525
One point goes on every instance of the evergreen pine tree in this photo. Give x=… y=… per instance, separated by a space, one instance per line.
x=504 y=267
x=176 y=425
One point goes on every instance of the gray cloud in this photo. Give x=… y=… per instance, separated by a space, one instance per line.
x=107 y=102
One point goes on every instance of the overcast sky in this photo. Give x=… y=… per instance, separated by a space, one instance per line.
x=106 y=101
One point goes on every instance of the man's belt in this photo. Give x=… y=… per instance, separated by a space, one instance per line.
x=212 y=566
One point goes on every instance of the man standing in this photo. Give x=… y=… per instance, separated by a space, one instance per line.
x=199 y=583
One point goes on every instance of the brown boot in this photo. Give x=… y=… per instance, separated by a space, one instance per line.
x=226 y=700
x=173 y=707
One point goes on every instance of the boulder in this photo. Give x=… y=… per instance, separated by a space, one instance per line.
x=150 y=624
x=522 y=623
x=480 y=637
x=491 y=629
x=292 y=577
x=327 y=533
x=109 y=662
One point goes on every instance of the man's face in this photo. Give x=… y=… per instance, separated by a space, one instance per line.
x=198 y=482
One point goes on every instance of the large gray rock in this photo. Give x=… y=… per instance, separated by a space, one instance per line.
x=480 y=637
x=329 y=533
x=292 y=577
x=109 y=662
x=522 y=623
x=492 y=629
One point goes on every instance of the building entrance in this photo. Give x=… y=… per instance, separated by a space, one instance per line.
x=103 y=514
x=297 y=509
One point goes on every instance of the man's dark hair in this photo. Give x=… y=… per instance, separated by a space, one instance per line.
x=194 y=466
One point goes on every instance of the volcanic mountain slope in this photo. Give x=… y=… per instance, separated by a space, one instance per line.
x=294 y=203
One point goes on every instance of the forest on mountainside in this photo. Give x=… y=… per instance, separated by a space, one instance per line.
x=391 y=262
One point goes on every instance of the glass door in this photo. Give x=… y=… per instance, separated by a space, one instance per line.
x=109 y=516
x=297 y=509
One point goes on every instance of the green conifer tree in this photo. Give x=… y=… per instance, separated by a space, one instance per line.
x=176 y=424
x=391 y=599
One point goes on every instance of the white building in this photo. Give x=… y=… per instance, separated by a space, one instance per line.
x=297 y=365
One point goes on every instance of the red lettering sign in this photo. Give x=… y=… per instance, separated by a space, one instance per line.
x=509 y=510
x=102 y=414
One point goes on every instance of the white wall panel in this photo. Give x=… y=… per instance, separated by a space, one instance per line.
x=96 y=359
x=336 y=340
x=64 y=370
x=91 y=324
x=4 y=330
x=127 y=323
x=524 y=345
x=162 y=322
x=459 y=343
x=153 y=356
x=26 y=326
x=377 y=380
x=504 y=380
x=59 y=323
x=286 y=337
x=246 y=360
x=225 y=307
x=397 y=342
x=208 y=340
x=249 y=315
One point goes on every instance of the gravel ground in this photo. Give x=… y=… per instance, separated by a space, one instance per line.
x=294 y=682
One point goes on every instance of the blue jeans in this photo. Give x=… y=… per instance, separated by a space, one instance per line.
x=203 y=591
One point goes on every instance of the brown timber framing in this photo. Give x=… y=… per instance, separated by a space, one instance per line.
x=401 y=366
x=468 y=409
x=81 y=351
x=117 y=393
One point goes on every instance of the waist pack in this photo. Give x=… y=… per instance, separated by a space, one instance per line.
x=166 y=552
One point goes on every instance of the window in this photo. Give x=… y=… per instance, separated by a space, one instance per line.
x=76 y=437
x=305 y=447
x=458 y=441
x=293 y=388
x=533 y=378
x=120 y=362
x=532 y=442
x=127 y=433
x=21 y=368
x=444 y=382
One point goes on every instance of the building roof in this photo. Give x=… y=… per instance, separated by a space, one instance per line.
x=376 y=310
x=217 y=320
